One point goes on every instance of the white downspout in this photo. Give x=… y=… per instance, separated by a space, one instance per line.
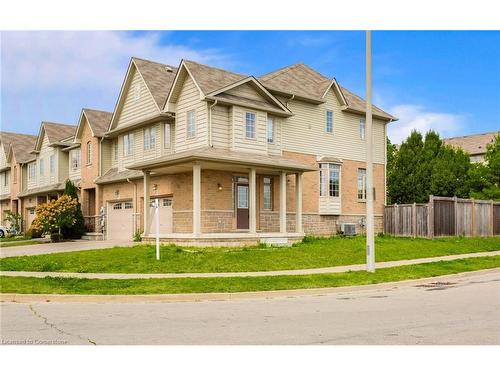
x=210 y=124
x=135 y=204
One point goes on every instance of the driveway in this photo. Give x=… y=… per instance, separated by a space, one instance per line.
x=61 y=247
x=458 y=309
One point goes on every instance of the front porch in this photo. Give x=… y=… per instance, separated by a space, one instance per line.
x=226 y=201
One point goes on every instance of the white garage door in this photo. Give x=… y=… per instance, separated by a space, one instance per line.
x=30 y=216
x=120 y=220
x=165 y=216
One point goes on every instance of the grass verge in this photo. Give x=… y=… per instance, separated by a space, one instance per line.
x=22 y=242
x=312 y=253
x=49 y=285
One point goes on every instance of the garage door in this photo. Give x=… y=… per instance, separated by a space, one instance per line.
x=165 y=216
x=30 y=216
x=120 y=220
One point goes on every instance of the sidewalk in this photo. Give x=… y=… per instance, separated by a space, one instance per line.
x=60 y=247
x=338 y=269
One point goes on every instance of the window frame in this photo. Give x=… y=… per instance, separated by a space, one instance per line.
x=14 y=177
x=362 y=129
x=32 y=171
x=89 y=153
x=167 y=136
x=328 y=127
x=270 y=121
x=149 y=138
x=267 y=204
x=128 y=147
x=75 y=159
x=253 y=118
x=361 y=197
x=41 y=167
x=325 y=180
x=52 y=164
x=191 y=125
x=115 y=150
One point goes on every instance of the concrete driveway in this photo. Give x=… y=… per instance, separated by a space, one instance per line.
x=61 y=247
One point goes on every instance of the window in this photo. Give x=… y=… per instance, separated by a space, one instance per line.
x=250 y=125
x=149 y=138
x=115 y=149
x=128 y=205
x=5 y=178
x=128 y=144
x=362 y=128
x=167 y=202
x=42 y=167
x=329 y=178
x=361 y=184
x=329 y=121
x=14 y=178
x=191 y=124
x=89 y=153
x=268 y=193
x=75 y=160
x=137 y=91
x=117 y=206
x=167 y=136
x=32 y=171
x=52 y=164
x=270 y=130
x=242 y=196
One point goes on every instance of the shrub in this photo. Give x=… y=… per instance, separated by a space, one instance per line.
x=53 y=215
x=77 y=229
x=14 y=221
x=33 y=233
x=137 y=236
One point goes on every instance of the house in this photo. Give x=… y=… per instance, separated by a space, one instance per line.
x=14 y=154
x=235 y=159
x=475 y=144
x=44 y=176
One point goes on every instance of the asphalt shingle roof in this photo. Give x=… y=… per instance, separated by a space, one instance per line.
x=98 y=120
x=22 y=145
x=474 y=144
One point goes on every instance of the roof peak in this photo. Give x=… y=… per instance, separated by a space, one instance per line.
x=153 y=62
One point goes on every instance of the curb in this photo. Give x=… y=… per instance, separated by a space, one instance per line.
x=206 y=297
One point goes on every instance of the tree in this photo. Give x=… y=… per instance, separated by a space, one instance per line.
x=14 y=220
x=55 y=214
x=77 y=229
x=485 y=178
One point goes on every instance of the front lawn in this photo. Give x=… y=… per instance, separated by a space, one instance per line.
x=50 y=285
x=20 y=241
x=312 y=253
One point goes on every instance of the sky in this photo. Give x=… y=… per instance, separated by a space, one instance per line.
x=445 y=81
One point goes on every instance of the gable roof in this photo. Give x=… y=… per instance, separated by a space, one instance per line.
x=57 y=134
x=20 y=145
x=474 y=144
x=306 y=83
x=98 y=122
x=210 y=79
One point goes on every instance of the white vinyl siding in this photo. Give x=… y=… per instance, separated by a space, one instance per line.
x=240 y=142
x=5 y=182
x=221 y=127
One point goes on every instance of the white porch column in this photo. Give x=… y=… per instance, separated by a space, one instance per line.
x=283 y=202
x=147 y=189
x=298 y=202
x=197 y=200
x=252 y=200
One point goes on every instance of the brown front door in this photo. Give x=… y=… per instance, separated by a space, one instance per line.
x=242 y=206
x=91 y=202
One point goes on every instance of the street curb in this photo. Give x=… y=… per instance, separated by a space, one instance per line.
x=206 y=297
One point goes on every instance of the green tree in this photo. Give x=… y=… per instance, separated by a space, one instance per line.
x=485 y=178
x=77 y=229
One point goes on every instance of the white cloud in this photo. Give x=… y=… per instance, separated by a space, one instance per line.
x=417 y=117
x=49 y=59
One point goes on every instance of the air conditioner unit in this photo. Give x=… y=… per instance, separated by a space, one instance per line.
x=348 y=229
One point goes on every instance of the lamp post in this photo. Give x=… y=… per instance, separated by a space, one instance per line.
x=370 y=240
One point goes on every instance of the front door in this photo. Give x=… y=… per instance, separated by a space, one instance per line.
x=242 y=206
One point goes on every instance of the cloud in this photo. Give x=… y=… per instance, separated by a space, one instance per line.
x=415 y=117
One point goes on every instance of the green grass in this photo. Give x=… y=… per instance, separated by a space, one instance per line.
x=20 y=242
x=49 y=285
x=312 y=253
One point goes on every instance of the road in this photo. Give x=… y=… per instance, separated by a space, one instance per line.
x=463 y=309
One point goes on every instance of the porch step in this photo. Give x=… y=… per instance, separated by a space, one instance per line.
x=92 y=236
x=276 y=241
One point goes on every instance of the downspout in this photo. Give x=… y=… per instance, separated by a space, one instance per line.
x=135 y=203
x=210 y=123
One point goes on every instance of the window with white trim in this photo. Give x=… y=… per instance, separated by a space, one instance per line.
x=89 y=152
x=167 y=136
x=32 y=171
x=191 y=124
x=115 y=149
x=149 y=138
x=329 y=180
x=42 y=167
x=128 y=144
x=329 y=121
x=52 y=165
x=75 y=160
x=117 y=206
x=250 y=125
x=167 y=202
x=361 y=184
x=268 y=193
x=128 y=205
x=270 y=130
x=362 y=128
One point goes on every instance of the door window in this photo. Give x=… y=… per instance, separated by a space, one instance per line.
x=242 y=196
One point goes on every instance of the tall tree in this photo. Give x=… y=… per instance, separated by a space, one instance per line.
x=485 y=177
x=77 y=229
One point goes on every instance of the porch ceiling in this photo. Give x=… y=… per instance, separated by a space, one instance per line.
x=213 y=158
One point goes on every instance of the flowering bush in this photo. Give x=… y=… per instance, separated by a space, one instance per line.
x=51 y=216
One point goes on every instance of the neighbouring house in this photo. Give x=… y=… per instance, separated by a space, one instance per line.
x=14 y=154
x=47 y=172
x=475 y=144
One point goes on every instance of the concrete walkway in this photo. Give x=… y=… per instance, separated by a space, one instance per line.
x=338 y=269
x=61 y=247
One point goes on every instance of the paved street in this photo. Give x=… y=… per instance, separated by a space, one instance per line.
x=462 y=309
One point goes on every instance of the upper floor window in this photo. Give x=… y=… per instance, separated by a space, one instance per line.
x=329 y=121
x=5 y=178
x=128 y=144
x=270 y=130
x=75 y=160
x=361 y=184
x=362 y=128
x=268 y=193
x=115 y=149
x=250 y=125
x=329 y=180
x=191 y=124
x=149 y=138
x=52 y=164
x=89 y=152
x=42 y=167
x=32 y=171
x=14 y=178
x=167 y=136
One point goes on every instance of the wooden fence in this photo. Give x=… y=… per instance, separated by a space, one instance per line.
x=443 y=216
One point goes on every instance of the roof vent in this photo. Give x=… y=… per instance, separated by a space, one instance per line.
x=169 y=69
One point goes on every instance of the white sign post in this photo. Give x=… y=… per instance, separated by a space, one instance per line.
x=157 y=213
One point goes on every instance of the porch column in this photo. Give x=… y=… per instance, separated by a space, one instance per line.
x=283 y=202
x=252 y=200
x=197 y=200
x=298 y=202
x=147 y=183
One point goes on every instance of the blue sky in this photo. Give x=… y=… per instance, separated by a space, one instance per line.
x=447 y=81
